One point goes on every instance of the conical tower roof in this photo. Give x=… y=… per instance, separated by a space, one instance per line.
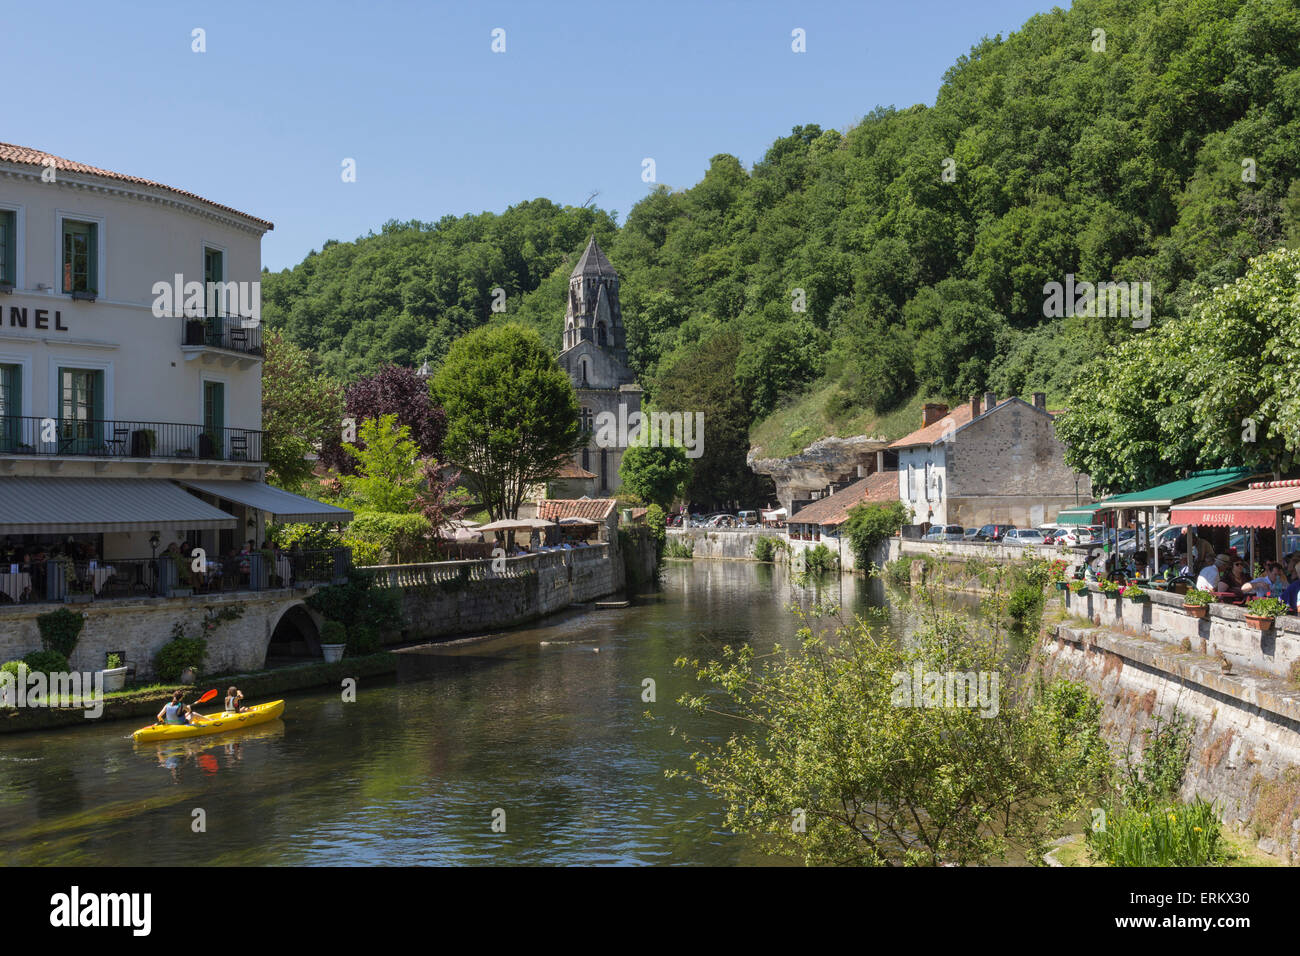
x=593 y=263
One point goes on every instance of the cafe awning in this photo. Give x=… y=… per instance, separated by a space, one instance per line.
x=1079 y=515
x=1256 y=507
x=1198 y=484
x=280 y=505
x=102 y=506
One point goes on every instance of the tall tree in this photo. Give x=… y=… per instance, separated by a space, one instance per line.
x=300 y=410
x=512 y=415
x=392 y=390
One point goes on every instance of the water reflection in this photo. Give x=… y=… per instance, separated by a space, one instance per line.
x=545 y=723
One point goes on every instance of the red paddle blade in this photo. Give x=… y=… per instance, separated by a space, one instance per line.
x=206 y=697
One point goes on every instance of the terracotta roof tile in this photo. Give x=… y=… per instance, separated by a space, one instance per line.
x=598 y=509
x=571 y=469
x=21 y=154
x=880 y=487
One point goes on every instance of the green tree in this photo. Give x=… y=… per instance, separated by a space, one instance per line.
x=836 y=761
x=388 y=469
x=300 y=407
x=512 y=414
x=655 y=475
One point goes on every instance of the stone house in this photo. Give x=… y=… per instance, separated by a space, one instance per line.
x=986 y=462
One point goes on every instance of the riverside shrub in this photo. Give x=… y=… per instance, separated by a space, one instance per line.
x=60 y=630
x=46 y=662
x=179 y=653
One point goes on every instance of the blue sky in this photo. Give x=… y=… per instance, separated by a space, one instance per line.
x=437 y=123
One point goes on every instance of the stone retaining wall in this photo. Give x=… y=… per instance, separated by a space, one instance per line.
x=1223 y=629
x=139 y=628
x=1246 y=725
x=460 y=597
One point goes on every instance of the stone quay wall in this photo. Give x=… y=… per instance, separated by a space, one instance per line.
x=137 y=629
x=1245 y=753
x=461 y=597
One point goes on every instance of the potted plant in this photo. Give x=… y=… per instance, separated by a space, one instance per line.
x=1135 y=594
x=1261 y=612
x=1057 y=573
x=1078 y=587
x=1108 y=588
x=114 y=674
x=333 y=641
x=1197 y=603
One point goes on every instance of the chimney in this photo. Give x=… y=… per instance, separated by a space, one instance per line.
x=931 y=412
x=1040 y=400
x=974 y=406
x=990 y=401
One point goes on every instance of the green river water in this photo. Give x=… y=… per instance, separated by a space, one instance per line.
x=546 y=723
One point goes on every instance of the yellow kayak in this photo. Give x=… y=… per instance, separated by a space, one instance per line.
x=215 y=724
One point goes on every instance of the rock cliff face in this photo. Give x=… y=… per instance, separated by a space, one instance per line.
x=822 y=462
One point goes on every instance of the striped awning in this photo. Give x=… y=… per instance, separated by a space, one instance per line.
x=280 y=505
x=102 y=506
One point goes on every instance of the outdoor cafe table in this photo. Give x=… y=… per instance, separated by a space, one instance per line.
x=15 y=585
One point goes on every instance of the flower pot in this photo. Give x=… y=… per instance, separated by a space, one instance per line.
x=114 y=678
x=333 y=652
x=1061 y=585
x=1258 y=622
x=1197 y=611
x=187 y=675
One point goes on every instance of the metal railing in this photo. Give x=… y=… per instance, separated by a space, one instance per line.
x=222 y=332
x=59 y=580
x=104 y=438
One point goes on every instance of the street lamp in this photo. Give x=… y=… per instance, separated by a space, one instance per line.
x=153 y=559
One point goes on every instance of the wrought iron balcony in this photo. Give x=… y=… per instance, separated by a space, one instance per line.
x=222 y=332
x=55 y=438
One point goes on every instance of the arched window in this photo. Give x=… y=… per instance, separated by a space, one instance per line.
x=584 y=371
x=586 y=459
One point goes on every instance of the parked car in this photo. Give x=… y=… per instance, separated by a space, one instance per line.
x=969 y=534
x=747 y=519
x=992 y=532
x=1081 y=534
x=1022 y=537
x=721 y=520
x=945 y=532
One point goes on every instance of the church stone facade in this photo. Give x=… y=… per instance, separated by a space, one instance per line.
x=595 y=357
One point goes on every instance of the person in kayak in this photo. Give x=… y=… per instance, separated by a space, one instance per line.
x=176 y=712
x=235 y=700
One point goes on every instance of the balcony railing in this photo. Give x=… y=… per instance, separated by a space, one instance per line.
x=102 y=438
x=222 y=332
x=57 y=580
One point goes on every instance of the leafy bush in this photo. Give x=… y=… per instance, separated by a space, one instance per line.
x=1078 y=587
x=363 y=639
x=657 y=522
x=1198 y=598
x=820 y=558
x=1178 y=835
x=899 y=572
x=359 y=601
x=60 y=630
x=870 y=524
x=1159 y=776
x=332 y=632
x=766 y=548
x=1025 y=604
x=678 y=548
x=17 y=668
x=47 y=662
x=376 y=537
x=179 y=653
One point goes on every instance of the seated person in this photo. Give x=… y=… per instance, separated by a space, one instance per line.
x=235 y=701
x=1232 y=583
x=176 y=712
x=1289 y=595
x=1270 y=584
x=1208 y=579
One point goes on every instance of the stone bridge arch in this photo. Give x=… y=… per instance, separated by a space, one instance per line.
x=294 y=634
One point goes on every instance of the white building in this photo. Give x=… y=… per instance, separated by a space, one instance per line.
x=120 y=418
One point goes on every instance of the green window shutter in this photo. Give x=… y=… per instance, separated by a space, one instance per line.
x=11 y=391
x=8 y=247
x=92 y=270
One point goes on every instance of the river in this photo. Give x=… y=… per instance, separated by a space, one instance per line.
x=545 y=724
